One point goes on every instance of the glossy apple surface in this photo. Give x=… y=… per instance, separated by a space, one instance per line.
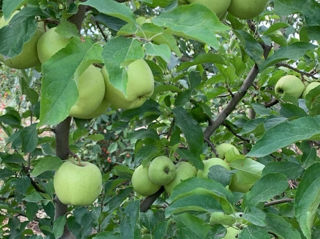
x=140 y=86
x=141 y=182
x=91 y=88
x=77 y=184
x=219 y=7
x=209 y=163
x=247 y=9
x=161 y=170
x=50 y=43
x=289 y=85
x=184 y=170
x=223 y=148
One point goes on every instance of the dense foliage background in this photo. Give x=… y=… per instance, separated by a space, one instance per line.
x=214 y=83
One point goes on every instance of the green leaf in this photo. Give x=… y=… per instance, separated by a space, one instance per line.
x=293 y=52
x=290 y=169
x=29 y=138
x=106 y=235
x=59 y=90
x=255 y=216
x=285 y=134
x=201 y=59
x=158 y=50
x=58 y=226
x=46 y=163
x=254 y=232
x=274 y=27
x=308 y=33
x=281 y=227
x=129 y=218
x=181 y=21
x=308 y=199
x=19 y=31
x=9 y=6
x=33 y=197
x=96 y=137
x=191 y=227
x=220 y=174
x=251 y=46
x=11 y=117
x=117 y=54
x=122 y=171
x=313 y=101
x=266 y=188
x=248 y=165
x=195 y=160
x=198 y=200
x=190 y=128
x=112 y=8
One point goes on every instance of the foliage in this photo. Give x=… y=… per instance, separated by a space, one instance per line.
x=214 y=83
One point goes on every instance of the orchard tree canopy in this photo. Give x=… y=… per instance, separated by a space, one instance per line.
x=162 y=119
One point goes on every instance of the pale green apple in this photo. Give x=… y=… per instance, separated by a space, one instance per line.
x=161 y=170
x=242 y=181
x=50 y=43
x=140 y=86
x=222 y=218
x=310 y=87
x=289 y=85
x=184 y=170
x=77 y=184
x=247 y=9
x=91 y=88
x=224 y=148
x=219 y=7
x=232 y=233
x=141 y=182
x=209 y=163
x=28 y=57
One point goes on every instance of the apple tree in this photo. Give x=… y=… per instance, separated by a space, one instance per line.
x=160 y=119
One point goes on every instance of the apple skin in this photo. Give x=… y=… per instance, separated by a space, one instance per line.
x=28 y=56
x=242 y=182
x=161 y=170
x=221 y=218
x=219 y=7
x=140 y=86
x=91 y=88
x=310 y=87
x=223 y=148
x=184 y=170
x=247 y=9
x=77 y=185
x=50 y=43
x=141 y=182
x=209 y=163
x=289 y=85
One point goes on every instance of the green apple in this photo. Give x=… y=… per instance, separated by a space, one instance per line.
x=50 y=43
x=247 y=9
x=139 y=87
x=28 y=57
x=232 y=233
x=289 y=85
x=161 y=170
x=224 y=148
x=219 y=7
x=141 y=182
x=91 y=88
x=77 y=184
x=221 y=218
x=310 y=87
x=209 y=163
x=242 y=181
x=184 y=170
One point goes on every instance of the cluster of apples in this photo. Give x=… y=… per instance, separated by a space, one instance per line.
x=94 y=81
x=290 y=86
x=147 y=179
x=244 y=9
